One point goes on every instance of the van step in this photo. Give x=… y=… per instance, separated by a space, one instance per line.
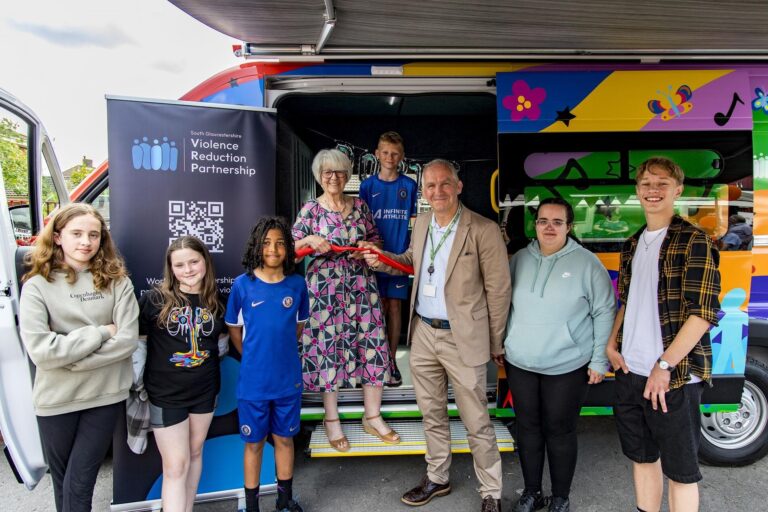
x=412 y=441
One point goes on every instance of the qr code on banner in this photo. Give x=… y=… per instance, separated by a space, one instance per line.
x=202 y=219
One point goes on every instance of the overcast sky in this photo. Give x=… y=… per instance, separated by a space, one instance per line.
x=61 y=57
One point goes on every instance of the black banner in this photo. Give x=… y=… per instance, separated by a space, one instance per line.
x=181 y=168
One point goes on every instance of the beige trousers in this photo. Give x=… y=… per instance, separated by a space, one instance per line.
x=434 y=361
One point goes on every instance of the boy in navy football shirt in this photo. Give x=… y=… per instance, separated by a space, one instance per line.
x=391 y=196
x=266 y=312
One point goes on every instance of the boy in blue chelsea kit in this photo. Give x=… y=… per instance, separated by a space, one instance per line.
x=391 y=196
x=270 y=303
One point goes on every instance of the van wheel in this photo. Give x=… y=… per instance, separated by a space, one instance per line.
x=741 y=437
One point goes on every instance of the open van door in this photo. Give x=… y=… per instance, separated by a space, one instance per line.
x=30 y=187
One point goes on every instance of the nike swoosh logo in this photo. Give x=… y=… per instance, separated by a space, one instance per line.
x=254 y=304
x=291 y=429
x=376 y=194
x=399 y=286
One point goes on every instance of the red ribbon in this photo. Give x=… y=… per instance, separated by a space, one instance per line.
x=306 y=251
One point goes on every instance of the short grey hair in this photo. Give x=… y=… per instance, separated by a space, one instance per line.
x=444 y=163
x=332 y=159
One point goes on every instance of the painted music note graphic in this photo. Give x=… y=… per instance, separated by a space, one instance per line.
x=722 y=119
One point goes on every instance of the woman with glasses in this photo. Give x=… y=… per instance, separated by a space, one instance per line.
x=344 y=342
x=562 y=312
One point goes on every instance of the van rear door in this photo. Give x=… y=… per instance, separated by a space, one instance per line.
x=30 y=187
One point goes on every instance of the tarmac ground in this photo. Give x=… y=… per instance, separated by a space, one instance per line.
x=603 y=482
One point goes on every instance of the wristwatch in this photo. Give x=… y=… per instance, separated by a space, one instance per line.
x=665 y=365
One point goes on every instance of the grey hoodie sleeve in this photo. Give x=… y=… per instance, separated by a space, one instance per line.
x=125 y=315
x=49 y=349
x=603 y=311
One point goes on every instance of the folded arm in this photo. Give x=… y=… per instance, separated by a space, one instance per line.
x=49 y=349
x=125 y=315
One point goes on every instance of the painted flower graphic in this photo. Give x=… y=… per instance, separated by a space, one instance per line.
x=524 y=101
x=761 y=101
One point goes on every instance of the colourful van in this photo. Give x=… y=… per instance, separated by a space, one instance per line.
x=521 y=132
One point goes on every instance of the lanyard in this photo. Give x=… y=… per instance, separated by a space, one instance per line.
x=434 y=250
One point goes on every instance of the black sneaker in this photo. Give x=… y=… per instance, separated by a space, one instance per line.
x=395 y=378
x=559 y=504
x=530 y=501
x=292 y=507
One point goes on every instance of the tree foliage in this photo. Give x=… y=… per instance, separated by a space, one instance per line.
x=78 y=175
x=13 y=158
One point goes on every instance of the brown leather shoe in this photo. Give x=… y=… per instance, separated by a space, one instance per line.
x=424 y=492
x=490 y=504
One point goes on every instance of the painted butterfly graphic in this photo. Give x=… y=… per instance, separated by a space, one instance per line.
x=675 y=105
x=761 y=102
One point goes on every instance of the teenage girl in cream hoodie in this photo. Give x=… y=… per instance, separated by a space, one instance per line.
x=79 y=323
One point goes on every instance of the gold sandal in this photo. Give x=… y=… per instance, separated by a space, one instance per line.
x=341 y=444
x=390 y=437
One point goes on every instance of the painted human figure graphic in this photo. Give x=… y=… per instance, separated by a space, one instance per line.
x=137 y=154
x=156 y=155
x=174 y=156
x=166 y=154
x=182 y=320
x=145 y=156
x=729 y=355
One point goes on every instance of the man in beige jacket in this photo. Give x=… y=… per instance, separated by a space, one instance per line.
x=459 y=307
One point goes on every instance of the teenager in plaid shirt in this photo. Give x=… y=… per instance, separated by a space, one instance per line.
x=660 y=347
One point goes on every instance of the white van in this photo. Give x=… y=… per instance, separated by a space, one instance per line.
x=32 y=186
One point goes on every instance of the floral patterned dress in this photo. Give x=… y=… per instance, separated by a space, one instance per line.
x=344 y=341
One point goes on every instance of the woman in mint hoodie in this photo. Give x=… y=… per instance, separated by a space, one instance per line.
x=562 y=312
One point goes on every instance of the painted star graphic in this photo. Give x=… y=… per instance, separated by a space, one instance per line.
x=233 y=82
x=565 y=116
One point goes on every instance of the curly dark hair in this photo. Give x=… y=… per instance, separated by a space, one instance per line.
x=254 y=249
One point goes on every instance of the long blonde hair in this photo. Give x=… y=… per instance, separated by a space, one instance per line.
x=169 y=293
x=46 y=257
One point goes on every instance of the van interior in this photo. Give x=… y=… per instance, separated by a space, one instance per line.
x=460 y=127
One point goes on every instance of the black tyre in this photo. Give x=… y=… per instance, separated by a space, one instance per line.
x=739 y=438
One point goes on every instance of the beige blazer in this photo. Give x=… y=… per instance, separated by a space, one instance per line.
x=477 y=287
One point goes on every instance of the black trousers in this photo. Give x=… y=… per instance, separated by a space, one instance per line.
x=546 y=410
x=75 y=445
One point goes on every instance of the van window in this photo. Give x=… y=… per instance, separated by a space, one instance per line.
x=101 y=203
x=50 y=197
x=596 y=173
x=15 y=164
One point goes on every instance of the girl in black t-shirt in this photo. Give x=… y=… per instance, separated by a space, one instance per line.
x=182 y=319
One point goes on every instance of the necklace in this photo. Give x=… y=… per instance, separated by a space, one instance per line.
x=648 y=244
x=328 y=206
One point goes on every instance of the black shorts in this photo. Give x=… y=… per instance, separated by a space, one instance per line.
x=160 y=417
x=646 y=434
